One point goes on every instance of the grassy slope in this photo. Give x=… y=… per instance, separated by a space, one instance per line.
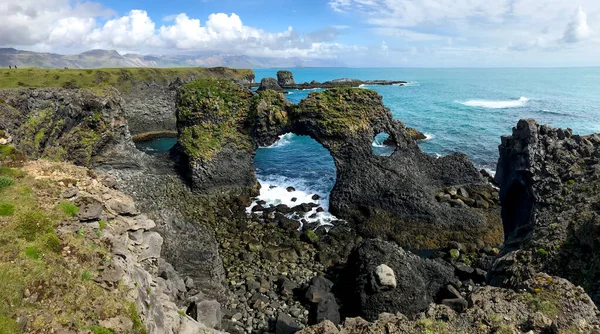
x=47 y=276
x=120 y=78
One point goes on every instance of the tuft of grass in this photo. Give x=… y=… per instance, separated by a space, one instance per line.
x=542 y=252
x=101 y=330
x=51 y=242
x=86 y=275
x=32 y=252
x=102 y=224
x=138 y=326
x=8 y=326
x=68 y=208
x=6 y=209
x=6 y=182
x=12 y=172
x=32 y=224
x=539 y=303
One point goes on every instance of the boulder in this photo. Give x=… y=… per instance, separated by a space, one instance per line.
x=385 y=276
x=90 y=211
x=286 y=324
x=418 y=280
x=269 y=84
x=285 y=79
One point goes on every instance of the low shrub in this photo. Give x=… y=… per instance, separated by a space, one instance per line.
x=32 y=224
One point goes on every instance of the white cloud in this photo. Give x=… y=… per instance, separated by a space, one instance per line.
x=578 y=29
x=62 y=25
x=482 y=28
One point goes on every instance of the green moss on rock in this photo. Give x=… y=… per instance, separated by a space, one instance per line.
x=212 y=113
x=345 y=112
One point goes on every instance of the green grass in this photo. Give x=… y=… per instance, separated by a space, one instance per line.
x=68 y=208
x=101 y=330
x=7 y=209
x=120 y=78
x=8 y=326
x=542 y=304
x=32 y=252
x=11 y=172
x=102 y=225
x=6 y=182
x=138 y=326
x=32 y=224
x=86 y=275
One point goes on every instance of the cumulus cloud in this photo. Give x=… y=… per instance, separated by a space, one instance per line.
x=62 y=25
x=578 y=29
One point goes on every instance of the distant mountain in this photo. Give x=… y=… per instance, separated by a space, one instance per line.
x=111 y=58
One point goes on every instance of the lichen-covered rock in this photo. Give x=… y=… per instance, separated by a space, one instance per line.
x=285 y=79
x=269 y=84
x=214 y=141
x=417 y=280
x=550 y=193
x=64 y=124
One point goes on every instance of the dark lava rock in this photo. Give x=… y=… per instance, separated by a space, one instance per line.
x=319 y=209
x=418 y=280
x=328 y=309
x=269 y=84
x=316 y=197
x=286 y=324
x=549 y=190
x=283 y=208
x=286 y=287
x=285 y=79
x=290 y=189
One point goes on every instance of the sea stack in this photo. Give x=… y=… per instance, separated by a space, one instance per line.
x=285 y=79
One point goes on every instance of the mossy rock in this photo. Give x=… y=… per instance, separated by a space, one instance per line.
x=211 y=114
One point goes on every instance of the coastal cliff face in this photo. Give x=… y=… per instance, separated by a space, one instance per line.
x=550 y=181
x=148 y=93
x=61 y=124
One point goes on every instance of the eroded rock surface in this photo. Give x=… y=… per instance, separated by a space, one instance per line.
x=550 y=183
x=415 y=283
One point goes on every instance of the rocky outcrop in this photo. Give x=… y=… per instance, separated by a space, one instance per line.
x=149 y=102
x=63 y=124
x=269 y=84
x=214 y=140
x=550 y=181
x=133 y=265
x=547 y=305
x=382 y=277
x=391 y=197
x=285 y=79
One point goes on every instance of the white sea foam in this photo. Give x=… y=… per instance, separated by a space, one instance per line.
x=274 y=192
x=284 y=140
x=428 y=136
x=490 y=104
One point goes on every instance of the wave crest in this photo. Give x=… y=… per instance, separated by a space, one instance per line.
x=491 y=104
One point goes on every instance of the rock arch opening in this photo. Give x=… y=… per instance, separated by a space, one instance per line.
x=517 y=208
x=383 y=144
x=296 y=174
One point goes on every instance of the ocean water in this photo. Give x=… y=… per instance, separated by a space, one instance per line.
x=460 y=110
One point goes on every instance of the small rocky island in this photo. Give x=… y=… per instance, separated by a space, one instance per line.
x=285 y=80
x=99 y=237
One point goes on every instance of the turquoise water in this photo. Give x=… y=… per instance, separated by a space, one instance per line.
x=157 y=145
x=461 y=110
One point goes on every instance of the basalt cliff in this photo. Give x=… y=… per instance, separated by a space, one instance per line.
x=163 y=243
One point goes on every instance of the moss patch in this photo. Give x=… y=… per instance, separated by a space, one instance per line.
x=211 y=114
x=68 y=208
x=341 y=112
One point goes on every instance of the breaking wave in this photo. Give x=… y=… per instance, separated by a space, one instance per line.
x=490 y=104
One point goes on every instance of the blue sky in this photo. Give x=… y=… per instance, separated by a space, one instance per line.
x=366 y=33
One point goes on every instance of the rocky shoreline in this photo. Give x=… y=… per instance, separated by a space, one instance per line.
x=492 y=261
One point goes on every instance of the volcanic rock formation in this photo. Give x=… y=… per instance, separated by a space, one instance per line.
x=550 y=186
